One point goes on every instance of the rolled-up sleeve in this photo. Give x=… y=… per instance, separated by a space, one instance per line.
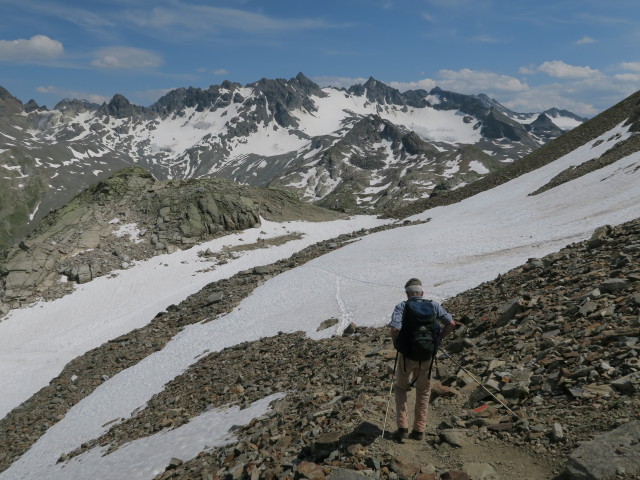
x=442 y=314
x=396 y=316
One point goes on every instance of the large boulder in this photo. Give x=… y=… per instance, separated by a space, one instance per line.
x=608 y=456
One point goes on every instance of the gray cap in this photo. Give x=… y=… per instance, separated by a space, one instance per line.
x=413 y=282
x=414 y=285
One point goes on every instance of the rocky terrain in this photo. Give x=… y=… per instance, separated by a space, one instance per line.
x=354 y=150
x=555 y=339
x=132 y=216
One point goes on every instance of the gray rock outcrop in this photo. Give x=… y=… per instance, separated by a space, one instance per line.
x=610 y=455
x=128 y=217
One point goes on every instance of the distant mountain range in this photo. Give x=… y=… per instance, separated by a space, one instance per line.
x=361 y=149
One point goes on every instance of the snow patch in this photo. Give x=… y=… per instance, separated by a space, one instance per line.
x=130 y=229
x=478 y=167
x=144 y=458
x=8 y=136
x=12 y=167
x=35 y=210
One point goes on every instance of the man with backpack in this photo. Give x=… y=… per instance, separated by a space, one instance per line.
x=416 y=331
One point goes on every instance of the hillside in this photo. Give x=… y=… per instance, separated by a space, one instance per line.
x=131 y=217
x=353 y=150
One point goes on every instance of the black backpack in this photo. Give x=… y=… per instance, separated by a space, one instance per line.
x=419 y=335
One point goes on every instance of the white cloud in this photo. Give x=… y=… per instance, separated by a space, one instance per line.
x=547 y=96
x=585 y=40
x=344 y=53
x=205 y=18
x=454 y=3
x=633 y=66
x=63 y=93
x=221 y=71
x=466 y=81
x=92 y=21
x=586 y=97
x=560 y=69
x=427 y=17
x=424 y=84
x=34 y=49
x=338 y=82
x=486 y=39
x=527 y=70
x=628 y=77
x=475 y=81
x=126 y=58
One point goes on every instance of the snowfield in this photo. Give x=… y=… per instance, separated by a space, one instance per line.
x=460 y=247
x=36 y=343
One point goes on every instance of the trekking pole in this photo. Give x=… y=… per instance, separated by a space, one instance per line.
x=479 y=383
x=393 y=377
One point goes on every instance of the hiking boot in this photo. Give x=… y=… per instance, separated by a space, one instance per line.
x=400 y=434
x=414 y=435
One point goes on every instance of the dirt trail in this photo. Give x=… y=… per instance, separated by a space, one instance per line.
x=499 y=458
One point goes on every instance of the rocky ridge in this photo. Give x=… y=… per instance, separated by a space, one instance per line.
x=132 y=216
x=556 y=339
x=358 y=156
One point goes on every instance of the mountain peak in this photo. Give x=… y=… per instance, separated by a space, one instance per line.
x=544 y=127
x=31 y=105
x=121 y=107
x=230 y=85
x=8 y=103
x=302 y=78
x=371 y=82
x=555 y=112
x=75 y=105
x=377 y=91
x=308 y=86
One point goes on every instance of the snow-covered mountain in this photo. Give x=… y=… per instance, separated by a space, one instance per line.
x=460 y=246
x=357 y=149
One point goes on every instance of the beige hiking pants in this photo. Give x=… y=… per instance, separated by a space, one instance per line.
x=406 y=371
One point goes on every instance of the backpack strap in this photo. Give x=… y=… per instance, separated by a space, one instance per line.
x=413 y=381
x=433 y=360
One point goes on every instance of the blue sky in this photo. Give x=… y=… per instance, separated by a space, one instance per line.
x=582 y=55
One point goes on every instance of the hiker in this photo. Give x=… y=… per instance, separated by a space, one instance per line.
x=418 y=372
